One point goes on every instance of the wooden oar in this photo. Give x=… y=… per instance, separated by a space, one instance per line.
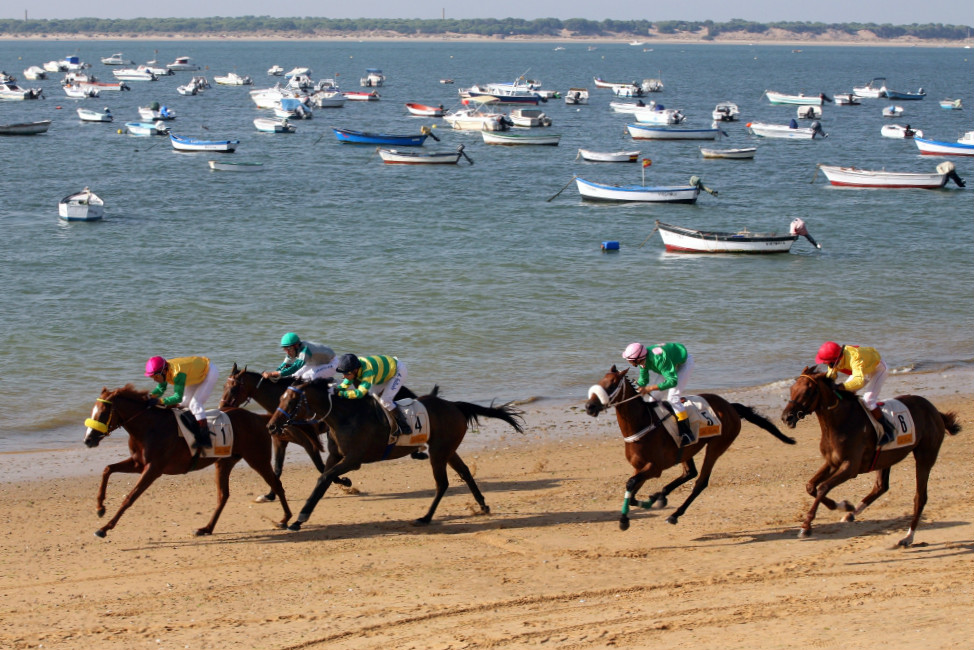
x=562 y=189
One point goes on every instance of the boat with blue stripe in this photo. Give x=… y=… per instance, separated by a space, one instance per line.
x=348 y=136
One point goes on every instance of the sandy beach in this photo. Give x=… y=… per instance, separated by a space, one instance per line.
x=548 y=567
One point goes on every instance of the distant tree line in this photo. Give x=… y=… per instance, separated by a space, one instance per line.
x=553 y=27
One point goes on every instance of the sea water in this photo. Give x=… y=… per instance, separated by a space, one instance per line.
x=468 y=273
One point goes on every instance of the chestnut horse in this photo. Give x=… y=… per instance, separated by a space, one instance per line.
x=849 y=444
x=157 y=448
x=360 y=430
x=650 y=449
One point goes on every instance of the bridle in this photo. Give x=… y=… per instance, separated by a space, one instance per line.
x=297 y=406
x=611 y=400
x=803 y=410
x=105 y=428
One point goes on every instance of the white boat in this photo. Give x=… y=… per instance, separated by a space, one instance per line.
x=328 y=99
x=102 y=86
x=627 y=90
x=474 y=119
x=154 y=112
x=678 y=239
x=275 y=71
x=182 y=64
x=271 y=125
x=82 y=206
x=117 y=59
x=643 y=132
x=373 y=78
x=134 y=74
x=292 y=108
x=147 y=128
x=156 y=68
x=658 y=115
x=800 y=99
x=183 y=143
x=400 y=157
x=246 y=167
x=637 y=193
x=854 y=177
x=35 y=73
x=875 y=89
x=576 y=96
x=13 y=92
x=425 y=110
x=78 y=91
x=528 y=117
x=726 y=112
x=54 y=66
x=809 y=112
x=25 y=128
x=511 y=138
x=630 y=107
x=947 y=104
x=789 y=131
x=73 y=62
x=608 y=156
x=892 y=111
x=741 y=153
x=88 y=115
x=188 y=89
x=846 y=99
x=269 y=97
x=361 y=96
x=963 y=147
x=233 y=79
x=899 y=131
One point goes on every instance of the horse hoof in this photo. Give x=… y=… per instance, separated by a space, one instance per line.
x=849 y=517
x=672 y=519
x=804 y=533
x=485 y=509
x=100 y=533
x=203 y=531
x=344 y=481
x=624 y=523
x=264 y=498
x=658 y=501
x=100 y=512
x=422 y=521
x=295 y=526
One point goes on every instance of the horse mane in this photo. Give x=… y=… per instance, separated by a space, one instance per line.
x=130 y=391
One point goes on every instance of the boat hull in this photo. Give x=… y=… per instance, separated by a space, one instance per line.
x=608 y=156
x=641 y=132
x=678 y=239
x=514 y=139
x=394 y=157
x=744 y=153
x=25 y=128
x=423 y=110
x=781 y=131
x=636 y=193
x=853 y=177
x=83 y=206
x=346 y=136
x=791 y=100
x=939 y=148
x=180 y=143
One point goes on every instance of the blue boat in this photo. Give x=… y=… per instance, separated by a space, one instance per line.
x=363 y=137
x=895 y=94
x=182 y=143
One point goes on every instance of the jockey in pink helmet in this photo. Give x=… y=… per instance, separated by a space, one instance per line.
x=866 y=370
x=192 y=379
x=673 y=364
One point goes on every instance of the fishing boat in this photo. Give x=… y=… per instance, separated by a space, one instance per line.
x=77 y=91
x=679 y=239
x=800 y=99
x=963 y=147
x=117 y=59
x=102 y=86
x=373 y=78
x=25 y=128
x=874 y=89
x=348 y=136
x=643 y=132
x=899 y=131
x=789 y=131
x=476 y=119
x=275 y=71
x=424 y=110
x=272 y=125
x=607 y=156
x=638 y=193
x=947 y=104
x=360 y=96
x=328 y=99
x=895 y=94
x=742 y=153
x=630 y=107
x=726 y=112
x=529 y=117
x=511 y=138
x=576 y=96
x=854 y=177
x=892 y=111
x=134 y=74
x=35 y=73
x=81 y=206
x=13 y=92
x=146 y=128
x=506 y=100
x=396 y=157
x=182 y=64
x=293 y=108
x=657 y=114
x=183 y=143
x=227 y=166
x=846 y=99
x=88 y=115
x=809 y=112
x=154 y=112
x=233 y=79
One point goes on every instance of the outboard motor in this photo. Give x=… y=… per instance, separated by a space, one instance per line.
x=816 y=126
x=798 y=228
x=948 y=168
x=696 y=181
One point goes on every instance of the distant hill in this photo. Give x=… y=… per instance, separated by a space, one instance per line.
x=506 y=28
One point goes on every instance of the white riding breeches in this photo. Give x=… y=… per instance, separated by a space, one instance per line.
x=874 y=384
x=310 y=373
x=386 y=393
x=195 y=396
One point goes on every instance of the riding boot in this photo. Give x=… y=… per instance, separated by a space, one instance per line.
x=888 y=431
x=683 y=426
x=404 y=428
x=202 y=435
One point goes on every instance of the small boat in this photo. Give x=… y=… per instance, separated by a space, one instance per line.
x=82 y=206
x=963 y=147
x=13 y=92
x=576 y=96
x=134 y=74
x=35 y=73
x=275 y=71
x=898 y=131
x=789 y=131
x=7 y=78
x=627 y=90
x=348 y=136
x=528 y=117
x=373 y=78
x=360 y=96
x=607 y=156
x=874 y=89
x=396 y=157
x=88 y=115
x=328 y=99
x=809 y=112
x=102 y=86
x=77 y=91
x=188 y=89
x=854 y=177
x=154 y=112
x=156 y=69
x=657 y=114
x=678 y=239
x=446 y=81
x=233 y=79
x=292 y=108
x=423 y=110
x=183 y=143
x=947 y=104
x=643 y=132
x=639 y=193
x=511 y=138
x=227 y=166
x=271 y=125
x=800 y=99
x=743 y=153
x=182 y=64
x=893 y=111
x=630 y=107
x=297 y=71
x=475 y=119
x=117 y=59
x=532 y=99
x=147 y=128
x=25 y=128
x=847 y=99
x=726 y=112
x=895 y=94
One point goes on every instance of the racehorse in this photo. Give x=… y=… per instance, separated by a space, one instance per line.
x=650 y=449
x=849 y=444
x=157 y=448
x=360 y=430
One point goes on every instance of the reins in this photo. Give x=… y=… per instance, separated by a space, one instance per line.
x=303 y=399
x=104 y=428
x=609 y=402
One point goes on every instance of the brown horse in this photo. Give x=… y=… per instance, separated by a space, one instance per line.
x=157 y=448
x=650 y=449
x=849 y=444
x=360 y=430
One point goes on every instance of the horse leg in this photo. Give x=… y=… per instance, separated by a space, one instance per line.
x=461 y=468
x=812 y=486
x=635 y=482
x=659 y=498
x=280 y=446
x=442 y=483
x=879 y=488
x=150 y=473
x=223 y=468
x=324 y=482
x=127 y=466
x=919 y=501
x=263 y=468
x=845 y=471
x=709 y=459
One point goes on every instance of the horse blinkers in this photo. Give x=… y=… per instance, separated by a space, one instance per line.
x=96 y=429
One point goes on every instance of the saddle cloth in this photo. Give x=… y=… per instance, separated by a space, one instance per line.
x=896 y=412
x=704 y=422
x=221 y=433
x=418 y=419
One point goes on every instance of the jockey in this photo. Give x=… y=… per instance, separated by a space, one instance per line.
x=379 y=375
x=674 y=364
x=305 y=361
x=866 y=369
x=192 y=379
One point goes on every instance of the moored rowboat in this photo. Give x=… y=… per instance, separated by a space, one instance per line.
x=737 y=154
x=396 y=157
x=643 y=132
x=508 y=138
x=854 y=177
x=25 y=128
x=608 y=156
x=687 y=240
x=182 y=143
x=81 y=206
x=226 y=166
x=423 y=110
x=637 y=193
x=963 y=147
x=363 y=137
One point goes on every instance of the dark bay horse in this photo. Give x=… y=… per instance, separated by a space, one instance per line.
x=360 y=430
x=650 y=449
x=849 y=444
x=157 y=448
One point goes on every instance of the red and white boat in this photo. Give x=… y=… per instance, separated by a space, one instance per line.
x=854 y=177
x=424 y=111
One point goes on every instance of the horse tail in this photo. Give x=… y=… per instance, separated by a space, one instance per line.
x=951 y=423
x=506 y=412
x=755 y=418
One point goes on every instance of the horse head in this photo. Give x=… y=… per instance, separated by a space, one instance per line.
x=235 y=392
x=300 y=400
x=605 y=393
x=811 y=391
x=114 y=409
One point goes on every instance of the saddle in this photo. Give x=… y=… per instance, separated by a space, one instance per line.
x=899 y=415
x=704 y=422
x=221 y=432
x=417 y=417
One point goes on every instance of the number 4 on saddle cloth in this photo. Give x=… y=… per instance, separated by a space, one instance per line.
x=418 y=419
x=221 y=432
x=704 y=422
